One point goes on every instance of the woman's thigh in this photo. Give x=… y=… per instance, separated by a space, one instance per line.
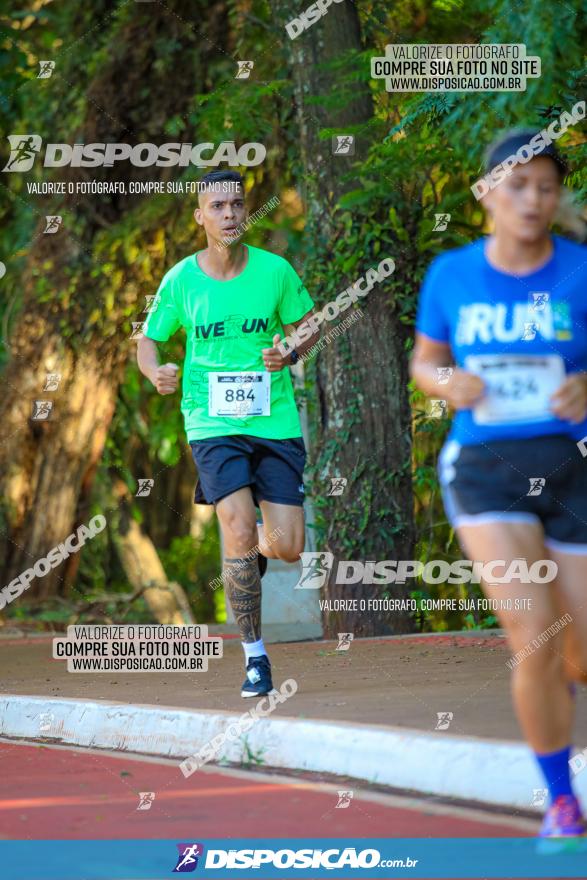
x=571 y=596
x=525 y=610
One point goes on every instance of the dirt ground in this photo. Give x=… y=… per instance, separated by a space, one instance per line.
x=402 y=682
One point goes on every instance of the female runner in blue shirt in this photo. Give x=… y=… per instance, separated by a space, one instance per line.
x=508 y=313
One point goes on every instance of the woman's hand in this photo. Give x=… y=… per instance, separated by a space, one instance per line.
x=570 y=401
x=463 y=390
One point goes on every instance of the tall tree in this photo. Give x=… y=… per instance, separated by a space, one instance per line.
x=363 y=406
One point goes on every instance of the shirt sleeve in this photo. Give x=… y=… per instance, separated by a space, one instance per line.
x=163 y=318
x=432 y=319
x=295 y=301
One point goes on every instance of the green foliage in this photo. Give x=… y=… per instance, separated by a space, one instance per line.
x=250 y=757
x=193 y=563
x=424 y=151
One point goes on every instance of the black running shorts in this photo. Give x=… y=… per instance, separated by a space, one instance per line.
x=274 y=469
x=541 y=479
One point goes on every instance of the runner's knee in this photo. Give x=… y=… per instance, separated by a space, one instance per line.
x=237 y=532
x=288 y=554
x=530 y=628
x=576 y=663
x=539 y=658
x=289 y=551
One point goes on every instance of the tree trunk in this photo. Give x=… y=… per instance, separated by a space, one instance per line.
x=166 y=599
x=364 y=430
x=201 y=516
x=174 y=488
x=50 y=461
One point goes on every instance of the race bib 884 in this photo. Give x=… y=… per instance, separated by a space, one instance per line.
x=239 y=395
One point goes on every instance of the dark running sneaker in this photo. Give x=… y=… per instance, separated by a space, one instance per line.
x=261 y=560
x=262 y=563
x=258 y=680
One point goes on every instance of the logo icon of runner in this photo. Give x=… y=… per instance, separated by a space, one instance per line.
x=344 y=641
x=343 y=144
x=536 y=485
x=530 y=330
x=244 y=69
x=146 y=799
x=337 y=485
x=41 y=410
x=539 y=300
x=316 y=568
x=46 y=68
x=444 y=719
x=144 y=488
x=344 y=800
x=188 y=857
x=24 y=148
x=441 y=222
x=53 y=223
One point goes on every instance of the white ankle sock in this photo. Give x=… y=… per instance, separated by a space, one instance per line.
x=253 y=649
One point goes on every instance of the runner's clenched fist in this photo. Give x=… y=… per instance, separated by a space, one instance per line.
x=166 y=378
x=272 y=357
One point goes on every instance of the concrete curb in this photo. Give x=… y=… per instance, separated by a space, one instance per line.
x=488 y=771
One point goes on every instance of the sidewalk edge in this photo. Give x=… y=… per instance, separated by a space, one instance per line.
x=492 y=772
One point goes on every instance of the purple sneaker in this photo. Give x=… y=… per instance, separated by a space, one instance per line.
x=563 y=819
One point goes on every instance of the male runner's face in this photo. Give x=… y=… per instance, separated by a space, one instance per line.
x=222 y=213
x=525 y=203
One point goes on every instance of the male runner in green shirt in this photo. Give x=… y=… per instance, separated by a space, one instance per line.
x=234 y=302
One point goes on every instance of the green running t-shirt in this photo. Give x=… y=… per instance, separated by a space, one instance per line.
x=228 y=324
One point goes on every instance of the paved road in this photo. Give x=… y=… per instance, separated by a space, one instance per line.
x=62 y=793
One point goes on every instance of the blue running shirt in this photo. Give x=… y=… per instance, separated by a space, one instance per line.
x=522 y=335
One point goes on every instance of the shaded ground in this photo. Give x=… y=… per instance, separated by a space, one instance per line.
x=402 y=682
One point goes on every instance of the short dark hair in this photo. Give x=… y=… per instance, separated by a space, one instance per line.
x=220 y=177
x=214 y=181
x=511 y=141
